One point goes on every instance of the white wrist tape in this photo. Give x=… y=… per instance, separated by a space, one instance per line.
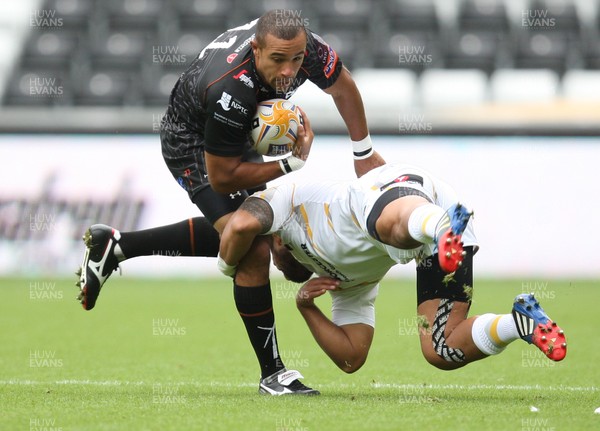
x=362 y=149
x=290 y=164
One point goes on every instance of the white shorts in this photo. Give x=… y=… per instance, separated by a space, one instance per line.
x=355 y=305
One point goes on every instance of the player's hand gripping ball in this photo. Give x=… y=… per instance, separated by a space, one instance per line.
x=275 y=127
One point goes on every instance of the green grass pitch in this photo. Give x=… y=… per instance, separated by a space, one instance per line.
x=173 y=355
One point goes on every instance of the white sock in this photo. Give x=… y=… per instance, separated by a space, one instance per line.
x=423 y=221
x=493 y=332
x=506 y=329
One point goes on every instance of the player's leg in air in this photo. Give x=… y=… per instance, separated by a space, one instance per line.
x=106 y=247
x=449 y=339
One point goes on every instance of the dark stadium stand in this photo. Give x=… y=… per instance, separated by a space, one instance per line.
x=129 y=52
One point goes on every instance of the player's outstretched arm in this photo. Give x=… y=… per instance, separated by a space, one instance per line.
x=349 y=103
x=346 y=345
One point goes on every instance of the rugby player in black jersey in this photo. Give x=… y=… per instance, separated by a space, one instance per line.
x=206 y=146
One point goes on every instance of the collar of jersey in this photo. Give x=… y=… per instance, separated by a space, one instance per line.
x=263 y=87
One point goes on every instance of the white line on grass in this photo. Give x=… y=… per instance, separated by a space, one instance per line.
x=326 y=385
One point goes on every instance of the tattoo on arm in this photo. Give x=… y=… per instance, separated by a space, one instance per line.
x=260 y=210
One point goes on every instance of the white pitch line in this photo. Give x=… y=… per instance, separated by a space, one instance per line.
x=326 y=385
x=494 y=387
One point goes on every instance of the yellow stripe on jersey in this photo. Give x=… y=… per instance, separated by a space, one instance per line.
x=354 y=218
x=309 y=232
x=328 y=215
x=292 y=199
x=306 y=223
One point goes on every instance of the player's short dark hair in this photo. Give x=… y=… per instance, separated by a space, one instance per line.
x=275 y=22
x=292 y=269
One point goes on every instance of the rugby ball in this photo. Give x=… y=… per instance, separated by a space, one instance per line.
x=275 y=127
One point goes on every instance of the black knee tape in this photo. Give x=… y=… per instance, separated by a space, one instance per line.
x=434 y=283
x=438 y=337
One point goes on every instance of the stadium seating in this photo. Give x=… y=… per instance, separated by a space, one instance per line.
x=512 y=85
x=128 y=52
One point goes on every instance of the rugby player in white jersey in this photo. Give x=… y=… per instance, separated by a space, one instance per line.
x=351 y=233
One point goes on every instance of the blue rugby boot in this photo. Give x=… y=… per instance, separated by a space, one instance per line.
x=448 y=237
x=535 y=327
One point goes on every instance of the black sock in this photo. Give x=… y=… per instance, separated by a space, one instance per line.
x=191 y=237
x=255 y=305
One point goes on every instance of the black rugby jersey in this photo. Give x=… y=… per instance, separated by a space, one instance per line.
x=215 y=99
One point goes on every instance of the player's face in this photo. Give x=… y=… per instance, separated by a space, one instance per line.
x=278 y=61
x=285 y=262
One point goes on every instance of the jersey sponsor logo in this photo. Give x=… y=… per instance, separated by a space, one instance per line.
x=227 y=102
x=244 y=78
x=321 y=54
x=331 y=63
x=326 y=54
x=231 y=57
x=328 y=268
x=228 y=121
x=407 y=178
x=244 y=44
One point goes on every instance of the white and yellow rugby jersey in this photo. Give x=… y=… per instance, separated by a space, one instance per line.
x=325 y=224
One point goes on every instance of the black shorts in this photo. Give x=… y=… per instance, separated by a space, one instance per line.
x=433 y=283
x=189 y=170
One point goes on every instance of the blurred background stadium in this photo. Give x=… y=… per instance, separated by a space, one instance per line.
x=501 y=97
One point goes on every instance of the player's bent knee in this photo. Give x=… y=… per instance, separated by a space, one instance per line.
x=439 y=362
